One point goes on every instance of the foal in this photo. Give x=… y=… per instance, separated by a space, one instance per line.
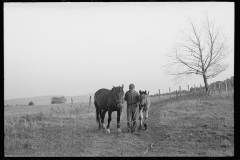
x=145 y=103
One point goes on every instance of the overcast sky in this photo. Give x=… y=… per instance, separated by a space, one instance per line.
x=77 y=48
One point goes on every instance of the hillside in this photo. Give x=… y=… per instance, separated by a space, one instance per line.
x=45 y=100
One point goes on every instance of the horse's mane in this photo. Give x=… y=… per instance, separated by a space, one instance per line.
x=114 y=88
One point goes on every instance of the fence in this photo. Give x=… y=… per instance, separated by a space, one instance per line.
x=224 y=86
x=216 y=87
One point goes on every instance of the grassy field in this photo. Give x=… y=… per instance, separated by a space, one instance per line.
x=197 y=126
x=192 y=125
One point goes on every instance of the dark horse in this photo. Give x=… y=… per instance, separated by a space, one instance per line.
x=106 y=100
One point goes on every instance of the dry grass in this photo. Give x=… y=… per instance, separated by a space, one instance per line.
x=192 y=125
x=21 y=129
x=202 y=126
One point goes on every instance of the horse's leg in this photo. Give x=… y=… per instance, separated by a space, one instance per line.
x=102 y=117
x=146 y=117
x=119 y=111
x=109 y=120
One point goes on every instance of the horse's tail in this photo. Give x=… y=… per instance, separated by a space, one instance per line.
x=97 y=110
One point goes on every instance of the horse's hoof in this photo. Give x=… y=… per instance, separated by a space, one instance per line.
x=107 y=130
x=104 y=126
x=119 y=130
x=139 y=129
x=133 y=131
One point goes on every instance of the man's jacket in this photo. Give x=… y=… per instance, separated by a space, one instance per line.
x=132 y=98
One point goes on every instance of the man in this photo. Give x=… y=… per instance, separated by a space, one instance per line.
x=132 y=97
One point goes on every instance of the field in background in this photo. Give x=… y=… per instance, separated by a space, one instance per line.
x=37 y=108
x=192 y=125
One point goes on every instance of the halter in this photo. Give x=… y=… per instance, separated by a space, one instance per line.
x=117 y=100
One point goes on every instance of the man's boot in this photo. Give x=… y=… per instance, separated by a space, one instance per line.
x=145 y=126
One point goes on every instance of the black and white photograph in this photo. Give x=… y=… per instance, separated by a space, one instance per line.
x=119 y=79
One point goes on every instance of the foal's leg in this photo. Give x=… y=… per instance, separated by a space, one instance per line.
x=146 y=117
x=102 y=117
x=141 y=118
x=109 y=120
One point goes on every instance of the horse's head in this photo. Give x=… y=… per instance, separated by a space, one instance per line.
x=118 y=96
x=143 y=97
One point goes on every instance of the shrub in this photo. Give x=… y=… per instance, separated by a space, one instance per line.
x=7 y=105
x=58 y=100
x=31 y=103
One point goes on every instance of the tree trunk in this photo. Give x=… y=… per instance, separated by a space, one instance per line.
x=205 y=82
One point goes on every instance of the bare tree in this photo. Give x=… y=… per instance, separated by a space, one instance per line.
x=200 y=51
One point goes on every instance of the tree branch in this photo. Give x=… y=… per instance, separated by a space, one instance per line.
x=199 y=53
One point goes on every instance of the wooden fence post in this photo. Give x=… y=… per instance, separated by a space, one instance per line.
x=180 y=90
x=226 y=86
x=214 y=87
x=89 y=102
x=220 y=87
x=194 y=88
x=230 y=86
x=159 y=94
x=170 y=91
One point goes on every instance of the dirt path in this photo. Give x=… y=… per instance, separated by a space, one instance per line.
x=125 y=144
x=81 y=137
